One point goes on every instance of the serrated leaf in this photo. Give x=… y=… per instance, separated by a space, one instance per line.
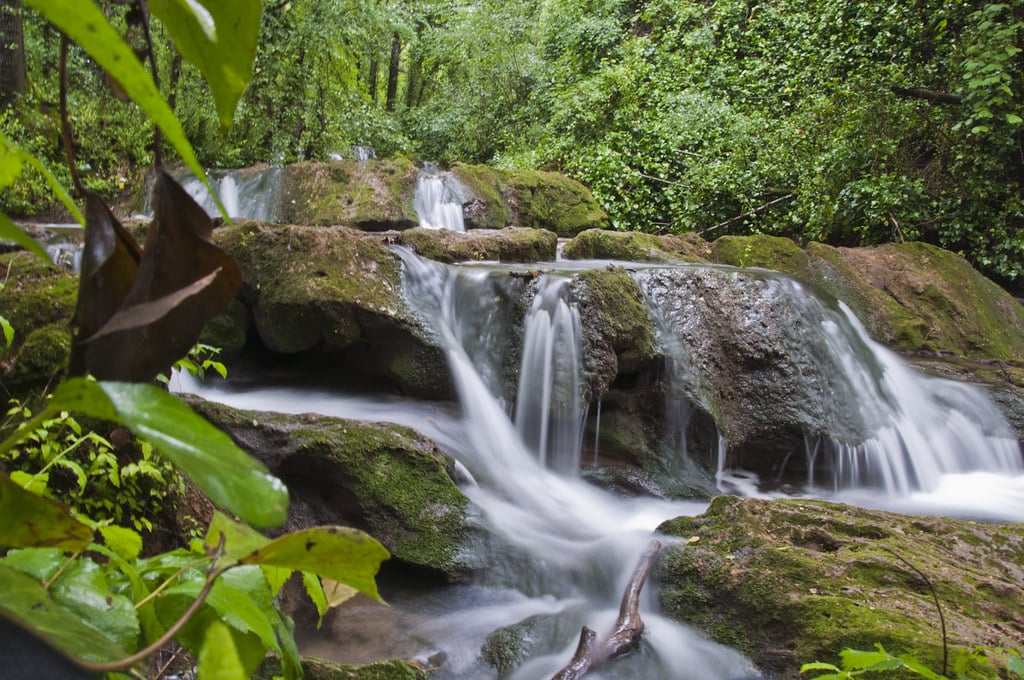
x=345 y=555
x=220 y=39
x=919 y=668
x=276 y=577
x=316 y=594
x=33 y=521
x=84 y=23
x=39 y=563
x=26 y=599
x=855 y=659
x=126 y=543
x=226 y=474
x=239 y=539
x=218 y=658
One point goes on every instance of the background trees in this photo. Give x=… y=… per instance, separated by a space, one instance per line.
x=850 y=122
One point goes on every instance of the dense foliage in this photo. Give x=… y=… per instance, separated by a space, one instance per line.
x=854 y=123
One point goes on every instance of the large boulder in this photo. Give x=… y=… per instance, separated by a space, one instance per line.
x=335 y=293
x=384 y=479
x=512 y=244
x=38 y=300
x=374 y=195
x=789 y=582
x=636 y=246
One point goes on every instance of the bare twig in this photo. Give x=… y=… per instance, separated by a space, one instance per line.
x=65 y=124
x=752 y=211
x=938 y=606
x=628 y=627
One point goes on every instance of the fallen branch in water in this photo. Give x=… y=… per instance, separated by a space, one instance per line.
x=625 y=635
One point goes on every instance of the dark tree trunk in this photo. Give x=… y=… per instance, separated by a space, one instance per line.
x=414 y=85
x=13 y=78
x=372 y=82
x=393 y=66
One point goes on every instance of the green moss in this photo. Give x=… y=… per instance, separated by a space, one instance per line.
x=42 y=356
x=228 y=331
x=615 y=301
x=767 y=252
x=797 y=581
x=550 y=200
x=506 y=245
x=487 y=210
x=322 y=669
x=635 y=246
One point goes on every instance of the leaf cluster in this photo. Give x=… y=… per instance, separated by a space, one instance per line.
x=969 y=665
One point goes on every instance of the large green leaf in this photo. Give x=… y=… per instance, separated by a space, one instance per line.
x=82 y=590
x=348 y=556
x=13 y=158
x=33 y=521
x=27 y=600
x=11 y=232
x=84 y=23
x=225 y=473
x=220 y=39
x=218 y=658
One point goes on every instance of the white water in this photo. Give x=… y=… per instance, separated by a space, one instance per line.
x=244 y=194
x=572 y=545
x=437 y=200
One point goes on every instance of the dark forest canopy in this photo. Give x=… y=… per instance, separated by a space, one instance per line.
x=849 y=122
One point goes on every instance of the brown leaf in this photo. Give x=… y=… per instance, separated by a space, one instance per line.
x=170 y=301
x=110 y=262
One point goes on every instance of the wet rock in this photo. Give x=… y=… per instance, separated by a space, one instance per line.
x=335 y=293
x=635 y=246
x=384 y=479
x=512 y=244
x=38 y=300
x=788 y=582
x=322 y=669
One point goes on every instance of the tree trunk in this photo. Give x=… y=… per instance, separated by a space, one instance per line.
x=13 y=77
x=372 y=81
x=393 y=66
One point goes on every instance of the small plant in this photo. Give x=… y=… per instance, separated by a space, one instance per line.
x=968 y=665
x=62 y=461
x=198 y=361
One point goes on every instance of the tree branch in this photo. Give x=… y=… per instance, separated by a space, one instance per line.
x=628 y=627
x=933 y=96
x=752 y=211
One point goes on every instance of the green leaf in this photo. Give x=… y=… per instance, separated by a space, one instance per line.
x=82 y=589
x=818 y=666
x=348 y=556
x=315 y=590
x=33 y=521
x=218 y=658
x=39 y=563
x=919 y=668
x=26 y=599
x=8 y=332
x=854 y=659
x=11 y=232
x=1016 y=664
x=225 y=473
x=220 y=39
x=126 y=543
x=84 y=23
x=1014 y=119
x=239 y=539
x=14 y=157
x=276 y=577
x=35 y=483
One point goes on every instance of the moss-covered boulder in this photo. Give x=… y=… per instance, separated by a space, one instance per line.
x=788 y=582
x=322 y=669
x=527 y=198
x=335 y=292
x=635 y=246
x=38 y=300
x=384 y=479
x=374 y=195
x=512 y=244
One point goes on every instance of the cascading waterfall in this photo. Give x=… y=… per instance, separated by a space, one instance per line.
x=248 y=194
x=902 y=431
x=438 y=200
x=549 y=415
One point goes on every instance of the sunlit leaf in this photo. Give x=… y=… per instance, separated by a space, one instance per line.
x=26 y=599
x=8 y=331
x=220 y=39
x=84 y=23
x=183 y=280
x=229 y=476
x=125 y=542
x=818 y=666
x=1016 y=664
x=345 y=555
x=315 y=590
x=218 y=658
x=32 y=521
x=337 y=593
x=238 y=539
x=35 y=483
x=39 y=563
x=855 y=659
x=276 y=577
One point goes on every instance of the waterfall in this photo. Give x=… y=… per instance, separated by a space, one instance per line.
x=248 y=194
x=549 y=414
x=438 y=200
x=880 y=424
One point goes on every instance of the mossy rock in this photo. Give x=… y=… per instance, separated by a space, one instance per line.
x=635 y=246
x=385 y=479
x=767 y=252
x=38 y=300
x=505 y=245
x=229 y=330
x=550 y=200
x=322 y=669
x=486 y=209
x=789 y=582
x=374 y=195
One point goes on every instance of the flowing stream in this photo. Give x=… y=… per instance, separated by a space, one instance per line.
x=567 y=547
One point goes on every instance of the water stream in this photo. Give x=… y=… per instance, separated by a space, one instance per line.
x=438 y=200
x=928 y=445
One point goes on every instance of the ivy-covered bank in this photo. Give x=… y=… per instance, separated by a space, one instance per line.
x=794 y=581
